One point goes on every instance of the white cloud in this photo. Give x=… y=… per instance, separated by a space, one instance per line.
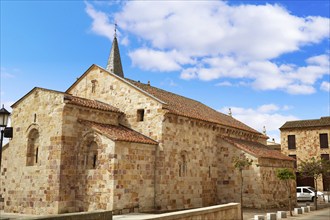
x=300 y=89
x=263 y=75
x=268 y=115
x=237 y=42
x=158 y=60
x=101 y=24
x=224 y=83
x=268 y=108
x=212 y=27
x=325 y=86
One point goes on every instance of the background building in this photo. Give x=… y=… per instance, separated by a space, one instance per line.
x=305 y=139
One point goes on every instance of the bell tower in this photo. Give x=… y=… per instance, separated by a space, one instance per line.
x=114 y=61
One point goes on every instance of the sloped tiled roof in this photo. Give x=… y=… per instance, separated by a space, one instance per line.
x=94 y=104
x=323 y=121
x=118 y=132
x=257 y=149
x=183 y=106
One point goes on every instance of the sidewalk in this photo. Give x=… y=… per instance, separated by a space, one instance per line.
x=249 y=213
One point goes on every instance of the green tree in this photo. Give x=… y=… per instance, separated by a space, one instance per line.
x=241 y=163
x=286 y=175
x=314 y=168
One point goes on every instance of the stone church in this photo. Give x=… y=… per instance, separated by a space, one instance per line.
x=112 y=143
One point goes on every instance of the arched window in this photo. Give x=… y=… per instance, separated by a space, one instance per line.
x=90 y=156
x=32 y=152
x=183 y=164
x=94 y=85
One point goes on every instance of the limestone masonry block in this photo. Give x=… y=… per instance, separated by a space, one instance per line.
x=281 y=214
x=297 y=211
x=271 y=216
x=305 y=209
x=311 y=208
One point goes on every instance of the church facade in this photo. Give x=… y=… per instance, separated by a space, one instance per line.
x=112 y=143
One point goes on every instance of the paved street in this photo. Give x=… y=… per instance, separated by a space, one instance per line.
x=323 y=214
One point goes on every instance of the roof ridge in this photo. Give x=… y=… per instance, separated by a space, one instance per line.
x=91 y=103
x=257 y=149
x=322 y=121
x=165 y=91
x=193 y=103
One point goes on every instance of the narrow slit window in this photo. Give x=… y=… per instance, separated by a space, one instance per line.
x=90 y=157
x=36 y=155
x=94 y=82
x=94 y=161
x=140 y=114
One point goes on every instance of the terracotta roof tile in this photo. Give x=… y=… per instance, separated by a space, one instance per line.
x=323 y=121
x=183 y=106
x=257 y=149
x=118 y=132
x=74 y=100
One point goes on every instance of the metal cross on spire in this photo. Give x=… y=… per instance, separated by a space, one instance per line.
x=115 y=35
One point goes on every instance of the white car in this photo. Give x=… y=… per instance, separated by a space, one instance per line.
x=307 y=193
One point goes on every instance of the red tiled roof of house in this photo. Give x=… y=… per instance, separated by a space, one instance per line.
x=257 y=149
x=323 y=121
x=74 y=100
x=183 y=106
x=118 y=132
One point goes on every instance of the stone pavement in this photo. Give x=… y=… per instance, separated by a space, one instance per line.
x=248 y=214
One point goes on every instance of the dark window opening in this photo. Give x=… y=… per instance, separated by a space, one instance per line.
x=36 y=155
x=90 y=158
x=140 y=114
x=180 y=170
x=291 y=141
x=324 y=141
x=94 y=161
x=325 y=157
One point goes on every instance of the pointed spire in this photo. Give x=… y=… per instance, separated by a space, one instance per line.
x=114 y=61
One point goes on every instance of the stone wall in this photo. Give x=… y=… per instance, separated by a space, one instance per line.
x=231 y=211
x=261 y=187
x=190 y=167
x=134 y=177
x=307 y=144
x=274 y=192
x=115 y=181
x=24 y=187
x=186 y=167
x=229 y=183
x=113 y=90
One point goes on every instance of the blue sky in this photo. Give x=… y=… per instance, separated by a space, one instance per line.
x=266 y=60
